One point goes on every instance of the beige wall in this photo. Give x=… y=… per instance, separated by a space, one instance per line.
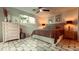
x=70 y=15
x=1 y=19
x=42 y=18
x=78 y=24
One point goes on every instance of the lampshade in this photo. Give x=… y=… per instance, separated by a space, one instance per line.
x=43 y=24
x=69 y=22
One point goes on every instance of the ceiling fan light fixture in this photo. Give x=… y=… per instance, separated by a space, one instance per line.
x=41 y=10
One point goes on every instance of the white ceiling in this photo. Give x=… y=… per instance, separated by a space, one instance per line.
x=53 y=10
x=27 y=9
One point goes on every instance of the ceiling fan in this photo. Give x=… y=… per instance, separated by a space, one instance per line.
x=40 y=9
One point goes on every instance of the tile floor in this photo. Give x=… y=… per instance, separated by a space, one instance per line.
x=28 y=44
x=70 y=44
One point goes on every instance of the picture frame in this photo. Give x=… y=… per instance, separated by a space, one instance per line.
x=58 y=18
x=51 y=20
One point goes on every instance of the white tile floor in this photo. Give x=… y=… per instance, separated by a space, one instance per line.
x=28 y=44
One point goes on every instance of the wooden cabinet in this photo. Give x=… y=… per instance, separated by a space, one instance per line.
x=11 y=31
x=70 y=35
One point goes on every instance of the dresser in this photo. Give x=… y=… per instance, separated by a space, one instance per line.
x=11 y=31
x=70 y=35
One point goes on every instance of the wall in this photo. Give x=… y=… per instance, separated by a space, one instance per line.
x=78 y=24
x=1 y=19
x=68 y=14
x=42 y=18
x=27 y=28
x=71 y=15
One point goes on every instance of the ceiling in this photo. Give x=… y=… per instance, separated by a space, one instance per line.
x=60 y=9
x=27 y=9
x=53 y=10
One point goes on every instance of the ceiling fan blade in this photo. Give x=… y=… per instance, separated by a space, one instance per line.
x=46 y=10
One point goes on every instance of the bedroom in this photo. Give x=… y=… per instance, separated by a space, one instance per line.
x=39 y=28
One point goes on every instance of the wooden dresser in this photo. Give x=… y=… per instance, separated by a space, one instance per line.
x=70 y=35
x=11 y=31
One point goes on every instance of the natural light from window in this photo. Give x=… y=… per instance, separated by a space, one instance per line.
x=27 y=19
x=32 y=20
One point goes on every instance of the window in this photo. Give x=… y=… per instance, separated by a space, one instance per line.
x=23 y=18
x=27 y=19
x=32 y=20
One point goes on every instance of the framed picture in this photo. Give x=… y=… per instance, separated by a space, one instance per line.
x=51 y=20
x=58 y=18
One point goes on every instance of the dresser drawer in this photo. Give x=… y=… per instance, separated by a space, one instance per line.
x=11 y=31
